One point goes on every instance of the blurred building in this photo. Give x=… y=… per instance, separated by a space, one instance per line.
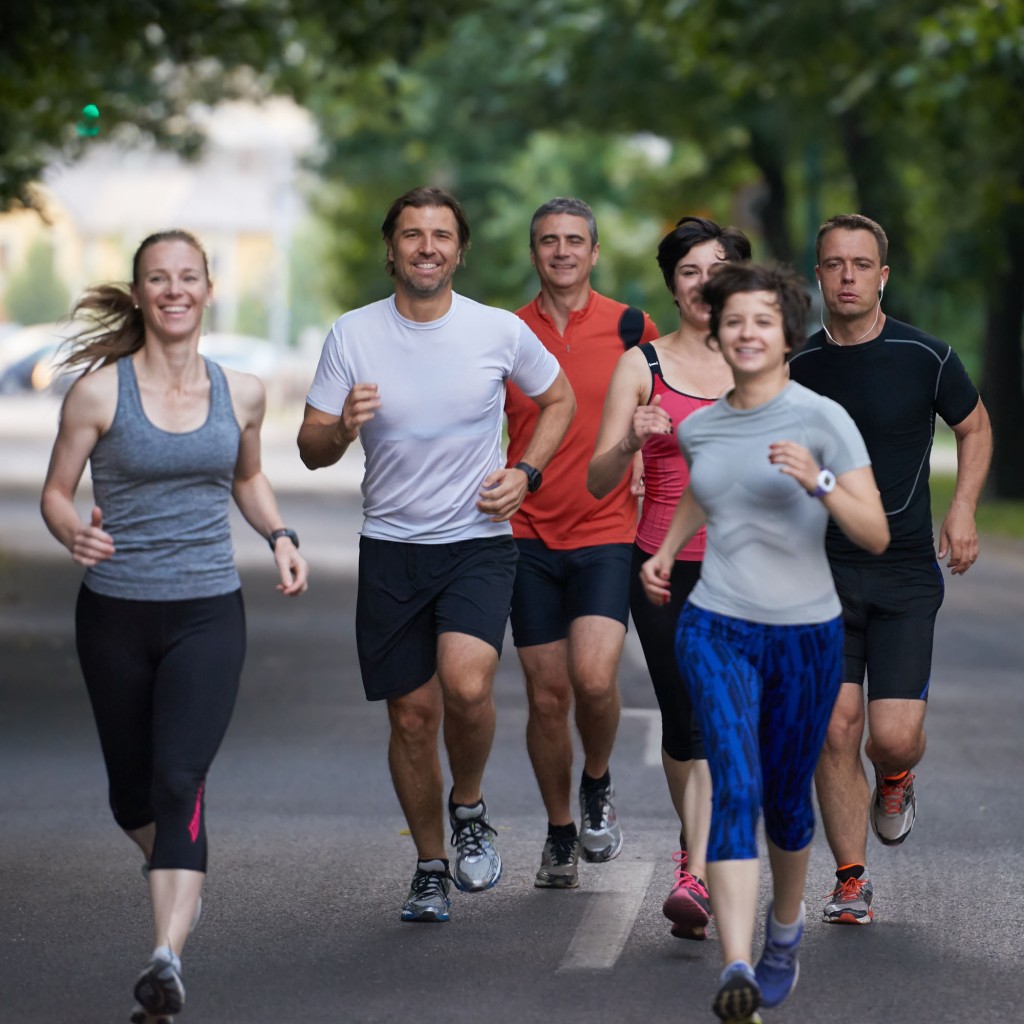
x=240 y=197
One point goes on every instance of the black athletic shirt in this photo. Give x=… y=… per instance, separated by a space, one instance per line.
x=892 y=386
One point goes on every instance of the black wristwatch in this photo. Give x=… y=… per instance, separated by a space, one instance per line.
x=290 y=534
x=533 y=477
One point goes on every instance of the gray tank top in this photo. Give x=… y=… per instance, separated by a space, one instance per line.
x=164 y=498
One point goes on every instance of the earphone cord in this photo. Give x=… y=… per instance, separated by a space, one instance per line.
x=878 y=310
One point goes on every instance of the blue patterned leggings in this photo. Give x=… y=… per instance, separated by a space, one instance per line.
x=763 y=696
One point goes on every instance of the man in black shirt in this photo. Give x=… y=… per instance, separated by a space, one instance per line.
x=893 y=379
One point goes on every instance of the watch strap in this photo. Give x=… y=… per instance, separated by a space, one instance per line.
x=283 y=532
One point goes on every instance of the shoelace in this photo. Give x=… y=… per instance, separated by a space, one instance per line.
x=429 y=884
x=848 y=890
x=469 y=836
x=562 y=849
x=777 y=956
x=894 y=794
x=597 y=804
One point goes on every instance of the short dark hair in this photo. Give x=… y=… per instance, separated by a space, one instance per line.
x=568 y=205
x=425 y=195
x=854 y=222
x=790 y=290
x=691 y=231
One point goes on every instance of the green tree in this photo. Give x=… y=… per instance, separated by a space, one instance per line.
x=35 y=294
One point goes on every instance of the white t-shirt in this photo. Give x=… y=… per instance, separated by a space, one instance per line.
x=437 y=433
x=765 y=559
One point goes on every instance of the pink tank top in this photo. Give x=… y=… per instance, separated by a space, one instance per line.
x=666 y=475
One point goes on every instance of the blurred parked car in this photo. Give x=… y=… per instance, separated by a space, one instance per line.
x=30 y=358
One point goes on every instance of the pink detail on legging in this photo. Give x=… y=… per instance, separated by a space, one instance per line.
x=193 y=825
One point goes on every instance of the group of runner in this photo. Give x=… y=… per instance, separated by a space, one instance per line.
x=783 y=552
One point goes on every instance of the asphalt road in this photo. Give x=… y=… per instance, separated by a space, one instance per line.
x=309 y=864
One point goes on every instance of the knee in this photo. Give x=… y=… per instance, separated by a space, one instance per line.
x=845 y=730
x=896 y=748
x=550 y=703
x=595 y=690
x=470 y=699
x=176 y=791
x=414 y=721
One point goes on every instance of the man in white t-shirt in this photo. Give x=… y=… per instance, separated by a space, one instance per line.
x=419 y=378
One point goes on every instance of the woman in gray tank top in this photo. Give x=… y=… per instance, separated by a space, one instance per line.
x=759 y=641
x=160 y=625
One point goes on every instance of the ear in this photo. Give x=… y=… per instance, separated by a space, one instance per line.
x=594 y=253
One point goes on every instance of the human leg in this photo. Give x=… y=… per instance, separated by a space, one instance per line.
x=416 y=775
x=415 y=766
x=725 y=686
x=895 y=745
x=466 y=667
x=801 y=667
x=682 y=756
x=842 y=786
x=548 y=739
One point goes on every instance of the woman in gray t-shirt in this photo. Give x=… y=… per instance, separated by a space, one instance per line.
x=759 y=641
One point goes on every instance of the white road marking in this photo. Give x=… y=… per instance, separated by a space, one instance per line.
x=652 y=744
x=615 y=893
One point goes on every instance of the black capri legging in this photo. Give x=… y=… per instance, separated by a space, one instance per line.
x=162 y=677
x=656 y=630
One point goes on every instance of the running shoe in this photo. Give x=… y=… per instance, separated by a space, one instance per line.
x=850 y=902
x=559 y=863
x=428 y=897
x=199 y=903
x=688 y=905
x=893 y=808
x=779 y=966
x=600 y=834
x=477 y=862
x=738 y=995
x=159 y=989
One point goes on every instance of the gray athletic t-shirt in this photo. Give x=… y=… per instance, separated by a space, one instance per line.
x=437 y=433
x=765 y=559
x=165 y=499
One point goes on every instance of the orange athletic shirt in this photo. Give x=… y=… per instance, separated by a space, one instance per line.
x=562 y=513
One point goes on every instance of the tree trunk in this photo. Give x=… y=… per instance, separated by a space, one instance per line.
x=1003 y=368
x=772 y=209
x=880 y=197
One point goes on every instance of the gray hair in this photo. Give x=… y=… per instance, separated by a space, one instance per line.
x=573 y=207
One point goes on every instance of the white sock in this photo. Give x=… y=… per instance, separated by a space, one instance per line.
x=787 y=934
x=166 y=953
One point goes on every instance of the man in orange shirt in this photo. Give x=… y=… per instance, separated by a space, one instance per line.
x=570 y=604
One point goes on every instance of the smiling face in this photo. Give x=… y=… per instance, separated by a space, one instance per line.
x=751 y=333
x=850 y=272
x=689 y=277
x=172 y=288
x=425 y=250
x=563 y=252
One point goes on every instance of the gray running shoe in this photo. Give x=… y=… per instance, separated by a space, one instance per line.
x=428 y=897
x=600 y=834
x=893 y=808
x=159 y=989
x=850 y=902
x=477 y=862
x=559 y=863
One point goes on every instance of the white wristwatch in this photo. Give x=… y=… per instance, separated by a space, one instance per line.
x=826 y=484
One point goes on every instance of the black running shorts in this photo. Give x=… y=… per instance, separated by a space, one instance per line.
x=889 y=625
x=411 y=593
x=554 y=587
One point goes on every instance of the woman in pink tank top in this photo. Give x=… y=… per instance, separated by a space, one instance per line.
x=654 y=388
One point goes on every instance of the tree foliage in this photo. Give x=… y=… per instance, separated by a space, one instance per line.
x=769 y=113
